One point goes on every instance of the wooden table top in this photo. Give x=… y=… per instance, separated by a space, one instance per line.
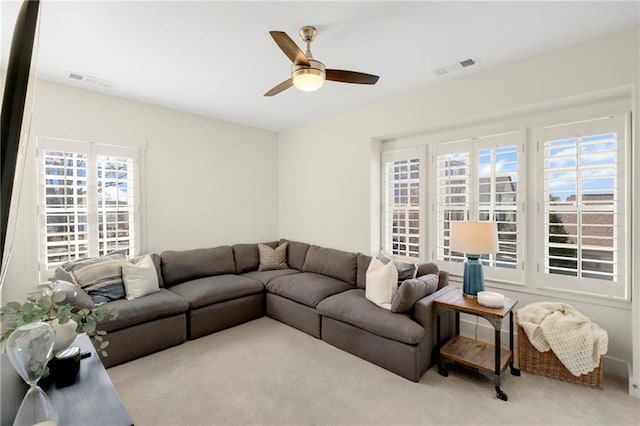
x=455 y=300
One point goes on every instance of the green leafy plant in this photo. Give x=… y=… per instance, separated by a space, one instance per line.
x=47 y=305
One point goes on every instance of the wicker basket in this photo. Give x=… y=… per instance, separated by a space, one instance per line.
x=547 y=364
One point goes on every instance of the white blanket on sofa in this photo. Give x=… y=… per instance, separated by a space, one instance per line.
x=575 y=340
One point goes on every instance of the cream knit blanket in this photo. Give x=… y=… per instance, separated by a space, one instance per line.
x=575 y=340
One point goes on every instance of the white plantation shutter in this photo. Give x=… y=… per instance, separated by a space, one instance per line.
x=583 y=217
x=116 y=203
x=401 y=210
x=479 y=179
x=64 y=209
x=452 y=203
x=500 y=198
x=87 y=200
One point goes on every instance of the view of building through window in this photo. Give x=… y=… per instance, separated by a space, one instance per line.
x=493 y=198
x=581 y=188
x=401 y=214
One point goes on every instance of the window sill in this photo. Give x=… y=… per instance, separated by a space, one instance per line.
x=555 y=295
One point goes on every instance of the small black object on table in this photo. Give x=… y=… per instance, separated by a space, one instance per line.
x=485 y=358
x=92 y=399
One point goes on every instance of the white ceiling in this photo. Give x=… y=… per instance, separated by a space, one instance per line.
x=217 y=58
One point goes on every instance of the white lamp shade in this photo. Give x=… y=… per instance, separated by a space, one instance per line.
x=474 y=237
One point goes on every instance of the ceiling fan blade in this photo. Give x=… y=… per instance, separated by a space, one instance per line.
x=280 y=87
x=351 y=77
x=289 y=47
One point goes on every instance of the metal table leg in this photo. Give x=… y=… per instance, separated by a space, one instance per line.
x=512 y=368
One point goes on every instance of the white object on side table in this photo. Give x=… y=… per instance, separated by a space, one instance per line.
x=490 y=299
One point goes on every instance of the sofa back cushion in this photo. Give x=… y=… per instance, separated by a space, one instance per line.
x=363 y=265
x=333 y=263
x=186 y=265
x=296 y=253
x=247 y=257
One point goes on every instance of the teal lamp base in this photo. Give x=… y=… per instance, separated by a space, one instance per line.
x=473 y=280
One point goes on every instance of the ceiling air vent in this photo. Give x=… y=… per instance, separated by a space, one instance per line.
x=465 y=63
x=95 y=81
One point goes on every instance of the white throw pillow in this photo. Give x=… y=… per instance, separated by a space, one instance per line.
x=140 y=279
x=382 y=283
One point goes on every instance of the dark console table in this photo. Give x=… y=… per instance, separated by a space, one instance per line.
x=92 y=400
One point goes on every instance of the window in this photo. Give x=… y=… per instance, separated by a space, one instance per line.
x=401 y=202
x=583 y=197
x=559 y=189
x=88 y=200
x=478 y=179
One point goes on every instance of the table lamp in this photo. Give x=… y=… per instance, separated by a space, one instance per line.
x=473 y=239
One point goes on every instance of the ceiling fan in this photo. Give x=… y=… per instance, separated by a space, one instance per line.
x=308 y=74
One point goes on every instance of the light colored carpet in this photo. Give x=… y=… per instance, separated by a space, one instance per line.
x=265 y=372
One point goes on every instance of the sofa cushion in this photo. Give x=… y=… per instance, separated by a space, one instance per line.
x=140 y=278
x=363 y=265
x=160 y=304
x=410 y=291
x=334 y=263
x=102 y=281
x=382 y=283
x=296 y=253
x=407 y=267
x=273 y=258
x=209 y=290
x=157 y=263
x=247 y=257
x=432 y=268
x=307 y=288
x=63 y=272
x=73 y=294
x=353 y=308
x=265 y=276
x=187 y=265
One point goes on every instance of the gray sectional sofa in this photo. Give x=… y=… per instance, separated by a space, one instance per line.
x=321 y=293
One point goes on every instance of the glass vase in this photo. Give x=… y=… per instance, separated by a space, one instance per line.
x=29 y=349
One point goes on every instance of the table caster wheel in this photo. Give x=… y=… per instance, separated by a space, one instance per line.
x=443 y=372
x=500 y=394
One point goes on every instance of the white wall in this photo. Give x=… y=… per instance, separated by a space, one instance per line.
x=325 y=169
x=205 y=182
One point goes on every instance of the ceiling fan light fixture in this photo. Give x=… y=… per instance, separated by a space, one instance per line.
x=307 y=74
x=309 y=78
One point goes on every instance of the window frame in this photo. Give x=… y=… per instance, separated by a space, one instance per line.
x=620 y=289
x=92 y=150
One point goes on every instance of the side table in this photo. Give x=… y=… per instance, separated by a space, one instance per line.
x=489 y=360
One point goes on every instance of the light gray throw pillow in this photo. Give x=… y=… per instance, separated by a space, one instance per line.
x=74 y=295
x=412 y=290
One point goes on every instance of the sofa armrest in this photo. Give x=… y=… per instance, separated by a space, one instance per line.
x=423 y=310
x=443 y=279
x=424 y=314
